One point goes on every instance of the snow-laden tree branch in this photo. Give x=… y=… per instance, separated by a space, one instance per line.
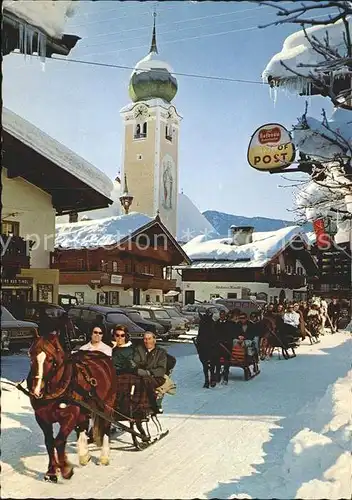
x=317 y=60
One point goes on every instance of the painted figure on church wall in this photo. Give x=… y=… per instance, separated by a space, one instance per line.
x=168 y=181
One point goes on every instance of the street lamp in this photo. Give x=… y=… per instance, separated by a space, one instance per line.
x=126 y=198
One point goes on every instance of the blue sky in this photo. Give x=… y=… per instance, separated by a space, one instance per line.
x=79 y=104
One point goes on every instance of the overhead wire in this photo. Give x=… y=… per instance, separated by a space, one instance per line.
x=120 y=66
x=197 y=37
x=166 y=32
x=120 y=17
x=180 y=21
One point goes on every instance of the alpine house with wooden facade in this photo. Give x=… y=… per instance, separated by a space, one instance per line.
x=41 y=178
x=267 y=265
x=120 y=260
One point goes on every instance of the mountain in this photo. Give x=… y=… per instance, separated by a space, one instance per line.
x=222 y=222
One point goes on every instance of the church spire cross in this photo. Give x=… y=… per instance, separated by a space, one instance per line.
x=153 y=47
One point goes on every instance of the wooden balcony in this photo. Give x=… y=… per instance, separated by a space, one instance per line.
x=97 y=279
x=15 y=253
x=284 y=280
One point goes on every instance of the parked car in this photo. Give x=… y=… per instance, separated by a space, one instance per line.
x=176 y=314
x=245 y=305
x=194 y=310
x=16 y=334
x=173 y=327
x=34 y=311
x=145 y=324
x=86 y=316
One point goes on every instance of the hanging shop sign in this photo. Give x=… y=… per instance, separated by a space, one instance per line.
x=271 y=148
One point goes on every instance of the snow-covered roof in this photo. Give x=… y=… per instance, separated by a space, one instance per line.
x=98 y=233
x=190 y=221
x=213 y=253
x=311 y=237
x=297 y=51
x=56 y=152
x=152 y=61
x=50 y=17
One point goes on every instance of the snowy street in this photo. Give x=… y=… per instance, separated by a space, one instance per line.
x=278 y=435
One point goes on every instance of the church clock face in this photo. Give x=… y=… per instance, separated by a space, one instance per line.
x=140 y=112
x=170 y=112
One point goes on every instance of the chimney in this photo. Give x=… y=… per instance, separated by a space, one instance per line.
x=73 y=217
x=241 y=235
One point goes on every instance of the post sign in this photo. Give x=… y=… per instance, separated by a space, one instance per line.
x=271 y=148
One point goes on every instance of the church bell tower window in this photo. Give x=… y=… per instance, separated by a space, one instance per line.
x=140 y=131
x=168 y=133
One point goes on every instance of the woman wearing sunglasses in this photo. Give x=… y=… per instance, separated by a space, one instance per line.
x=122 y=353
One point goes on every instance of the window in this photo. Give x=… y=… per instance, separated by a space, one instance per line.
x=168 y=133
x=168 y=274
x=74 y=313
x=80 y=264
x=147 y=298
x=115 y=266
x=160 y=313
x=231 y=295
x=145 y=314
x=10 y=228
x=157 y=298
x=102 y=298
x=80 y=297
x=103 y=266
x=90 y=316
x=45 y=293
x=114 y=298
x=140 y=131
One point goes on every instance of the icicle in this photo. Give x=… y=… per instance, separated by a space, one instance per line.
x=42 y=49
x=21 y=38
x=30 y=34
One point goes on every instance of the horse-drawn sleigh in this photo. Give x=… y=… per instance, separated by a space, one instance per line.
x=73 y=389
x=244 y=354
x=281 y=338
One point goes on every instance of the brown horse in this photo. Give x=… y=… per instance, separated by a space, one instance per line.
x=56 y=381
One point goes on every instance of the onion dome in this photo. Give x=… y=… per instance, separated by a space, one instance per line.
x=152 y=78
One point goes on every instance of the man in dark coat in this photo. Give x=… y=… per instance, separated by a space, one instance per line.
x=206 y=345
x=151 y=364
x=246 y=329
x=224 y=336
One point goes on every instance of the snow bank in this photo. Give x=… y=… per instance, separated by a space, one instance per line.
x=48 y=16
x=256 y=254
x=297 y=51
x=100 y=232
x=320 y=450
x=54 y=151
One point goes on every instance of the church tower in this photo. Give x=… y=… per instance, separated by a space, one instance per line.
x=151 y=135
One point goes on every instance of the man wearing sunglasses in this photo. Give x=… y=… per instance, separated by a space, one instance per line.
x=96 y=343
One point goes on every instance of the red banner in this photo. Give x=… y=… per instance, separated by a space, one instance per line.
x=323 y=240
